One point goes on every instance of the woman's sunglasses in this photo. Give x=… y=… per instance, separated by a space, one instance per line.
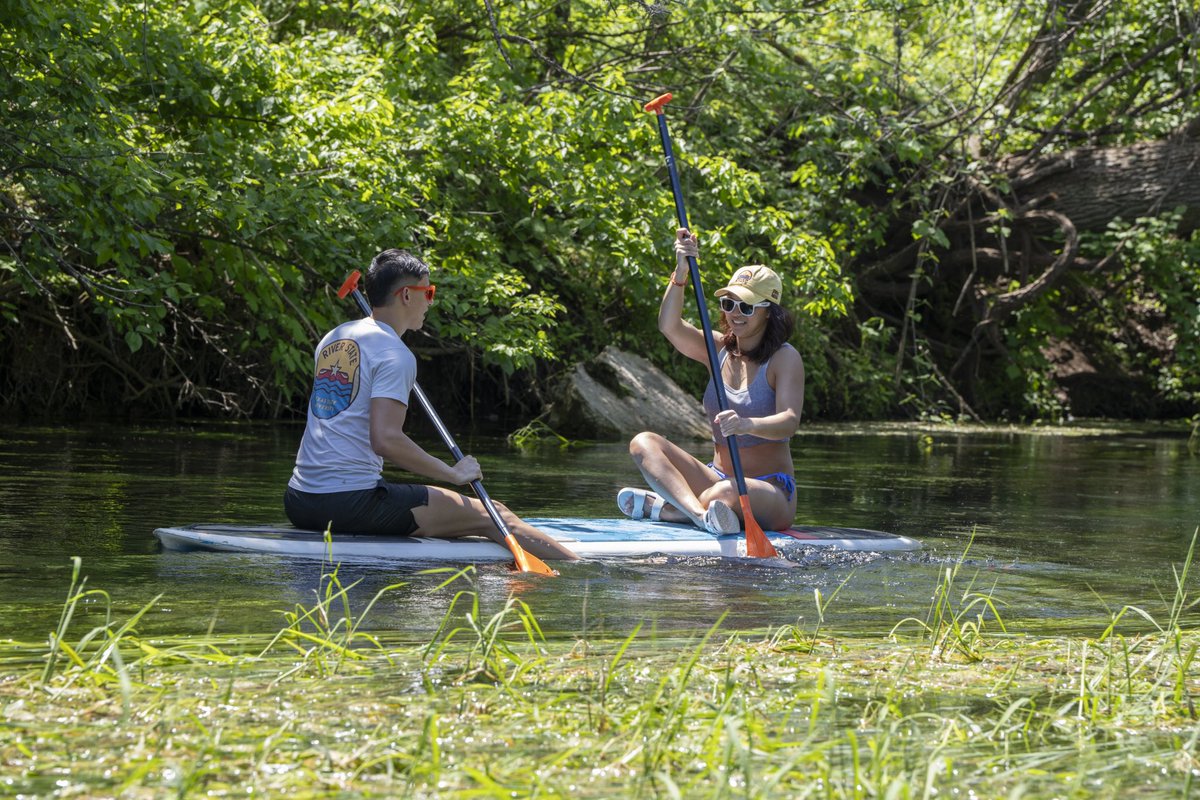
x=728 y=304
x=429 y=291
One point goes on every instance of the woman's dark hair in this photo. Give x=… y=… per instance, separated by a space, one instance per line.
x=780 y=324
x=388 y=269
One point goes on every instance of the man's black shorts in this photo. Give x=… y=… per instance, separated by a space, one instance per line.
x=385 y=510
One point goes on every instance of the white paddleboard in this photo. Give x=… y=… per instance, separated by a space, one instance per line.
x=589 y=538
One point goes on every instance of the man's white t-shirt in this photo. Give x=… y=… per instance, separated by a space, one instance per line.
x=355 y=362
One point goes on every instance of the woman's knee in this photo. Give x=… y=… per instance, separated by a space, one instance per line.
x=721 y=490
x=645 y=443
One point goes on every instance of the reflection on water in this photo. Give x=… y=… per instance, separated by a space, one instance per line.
x=1060 y=528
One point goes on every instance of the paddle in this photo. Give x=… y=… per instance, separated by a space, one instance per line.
x=757 y=543
x=525 y=562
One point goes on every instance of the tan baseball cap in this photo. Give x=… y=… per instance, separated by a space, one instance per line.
x=754 y=284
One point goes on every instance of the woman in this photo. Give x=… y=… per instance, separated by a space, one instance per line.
x=764 y=384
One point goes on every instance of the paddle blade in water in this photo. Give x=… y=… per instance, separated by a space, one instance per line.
x=524 y=561
x=757 y=543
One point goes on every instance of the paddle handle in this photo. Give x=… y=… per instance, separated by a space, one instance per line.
x=714 y=361
x=655 y=106
x=444 y=432
x=757 y=543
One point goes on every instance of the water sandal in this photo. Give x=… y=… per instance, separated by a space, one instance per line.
x=719 y=519
x=632 y=503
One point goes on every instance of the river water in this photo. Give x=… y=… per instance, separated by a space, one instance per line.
x=1060 y=527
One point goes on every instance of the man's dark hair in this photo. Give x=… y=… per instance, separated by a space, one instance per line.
x=780 y=324
x=388 y=271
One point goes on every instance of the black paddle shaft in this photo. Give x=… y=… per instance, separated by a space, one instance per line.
x=714 y=362
x=447 y=437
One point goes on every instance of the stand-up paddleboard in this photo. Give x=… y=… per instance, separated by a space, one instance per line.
x=589 y=538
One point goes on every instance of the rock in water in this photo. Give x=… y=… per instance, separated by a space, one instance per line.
x=617 y=394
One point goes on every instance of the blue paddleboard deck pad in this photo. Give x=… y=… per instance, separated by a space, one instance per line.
x=588 y=538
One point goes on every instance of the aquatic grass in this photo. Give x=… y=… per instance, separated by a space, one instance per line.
x=791 y=638
x=1171 y=661
x=957 y=626
x=489 y=706
x=102 y=663
x=537 y=433
x=324 y=637
x=609 y=672
x=658 y=721
x=706 y=737
x=491 y=654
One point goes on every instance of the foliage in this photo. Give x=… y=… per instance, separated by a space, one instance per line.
x=1154 y=291
x=218 y=182
x=183 y=182
x=1138 y=314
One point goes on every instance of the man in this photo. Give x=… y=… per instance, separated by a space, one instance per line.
x=364 y=375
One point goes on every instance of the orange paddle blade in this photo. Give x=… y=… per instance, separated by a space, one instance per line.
x=757 y=543
x=350 y=285
x=655 y=106
x=526 y=562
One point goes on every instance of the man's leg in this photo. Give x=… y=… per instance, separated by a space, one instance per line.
x=450 y=515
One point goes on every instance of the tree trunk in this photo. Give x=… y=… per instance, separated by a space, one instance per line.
x=1093 y=186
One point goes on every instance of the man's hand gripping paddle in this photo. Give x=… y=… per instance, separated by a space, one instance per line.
x=757 y=543
x=525 y=562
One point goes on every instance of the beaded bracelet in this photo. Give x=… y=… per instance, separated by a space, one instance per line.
x=675 y=282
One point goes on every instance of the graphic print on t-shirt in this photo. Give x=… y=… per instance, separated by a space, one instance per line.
x=336 y=383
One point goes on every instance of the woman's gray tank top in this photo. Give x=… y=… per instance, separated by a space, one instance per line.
x=756 y=400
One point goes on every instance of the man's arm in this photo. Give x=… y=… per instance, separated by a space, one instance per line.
x=389 y=440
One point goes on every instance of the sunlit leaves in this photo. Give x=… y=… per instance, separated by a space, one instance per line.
x=227 y=163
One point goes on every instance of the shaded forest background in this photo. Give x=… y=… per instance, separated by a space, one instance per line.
x=981 y=208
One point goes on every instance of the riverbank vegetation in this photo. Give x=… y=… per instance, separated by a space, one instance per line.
x=958 y=702
x=982 y=209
